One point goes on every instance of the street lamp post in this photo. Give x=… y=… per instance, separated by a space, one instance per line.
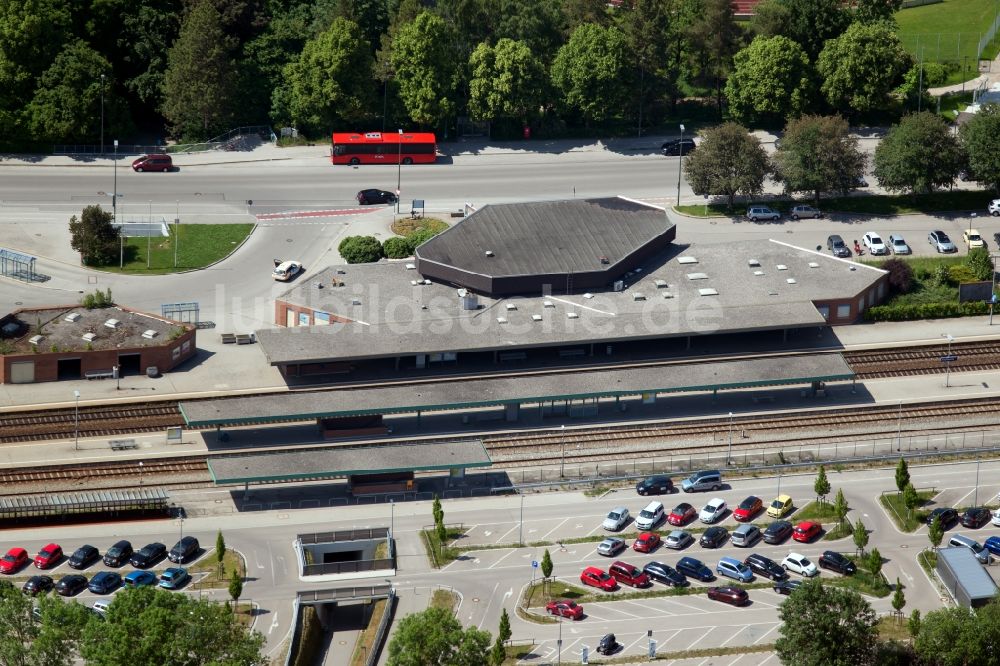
x=899 y=427
x=140 y=475
x=680 y=166
x=520 y=523
x=947 y=365
x=114 y=195
x=177 y=229
x=779 y=484
x=76 y=422
x=399 y=168
x=993 y=289
x=729 y=453
x=975 y=496
x=392 y=517
x=562 y=458
x=102 y=115
x=559 y=643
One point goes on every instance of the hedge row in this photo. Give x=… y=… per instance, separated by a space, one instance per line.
x=925 y=311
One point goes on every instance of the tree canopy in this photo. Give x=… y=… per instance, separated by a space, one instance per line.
x=818 y=155
x=435 y=636
x=507 y=81
x=592 y=71
x=771 y=80
x=861 y=67
x=826 y=626
x=918 y=155
x=94 y=237
x=426 y=68
x=980 y=138
x=729 y=161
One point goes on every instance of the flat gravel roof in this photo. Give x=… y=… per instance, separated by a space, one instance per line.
x=466 y=394
x=348 y=461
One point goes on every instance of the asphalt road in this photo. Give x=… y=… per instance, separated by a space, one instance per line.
x=489 y=580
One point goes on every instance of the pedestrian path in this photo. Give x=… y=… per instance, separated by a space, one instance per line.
x=989 y=78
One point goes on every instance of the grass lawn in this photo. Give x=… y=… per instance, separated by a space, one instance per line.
x=200 y=245
x=946 y=31
x=905 y=520
x=367 y=636
x=839 y=531
x=891 y=628
x=210 y=565
x=445 y=599
x=439 y=556
x=815 y=511
x=861 y=581
x=406 y=226
x=928 y=560
x=925 y=289
x=872 y=204
x=952 y=104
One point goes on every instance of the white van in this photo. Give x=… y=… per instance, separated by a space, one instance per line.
x=286 y=270
x=649 y=517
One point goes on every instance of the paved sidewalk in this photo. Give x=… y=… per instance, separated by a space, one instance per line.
x=990 y=77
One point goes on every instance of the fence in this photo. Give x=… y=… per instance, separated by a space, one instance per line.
x=347 y=567
x=987 y=37
x=383 y=626
x=790 y=456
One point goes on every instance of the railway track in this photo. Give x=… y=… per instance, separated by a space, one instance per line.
x=105 y=475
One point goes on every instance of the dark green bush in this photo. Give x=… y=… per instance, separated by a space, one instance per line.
x=397 y=248
x=925 y=311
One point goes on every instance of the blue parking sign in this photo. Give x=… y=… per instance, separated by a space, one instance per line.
x=534 y=564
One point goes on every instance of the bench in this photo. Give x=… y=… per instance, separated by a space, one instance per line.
x=458 y=213
x=244 y=338
x=100 y=374
x=122 y=444
x=227 y=338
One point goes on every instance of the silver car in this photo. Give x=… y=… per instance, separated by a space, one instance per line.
x=755 y=213
x=898 y=245
x=941 y=242
x=678 y=539
x=611 y=546
x=617 y=519
x=804 y=211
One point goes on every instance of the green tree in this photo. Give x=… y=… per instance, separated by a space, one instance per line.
x=546 y=565
x=935 y=532
x=652 y=31
x=539 y=23
x=198 y=86
x=898 y=600
x=918 y=155
x=860 y=536
x=504 y=633
x=840 y=506
x=710 y=39
x=902 y=474
x=862 y=67
x=913 y=624
x=952 y=636
x=873 y=562
x=900 y=275
x=826 y=626
x=220 y=550
x=235 y=585
x=360 y=249
x=817 y=154
x=435 y=636
x=592 y=72
x=62 y=626
x=94 y=237
x=437 y=511
x=442 y=535
x=809 y=23
x=498 y=654
x=427 y=69
x=911 y=500
x=67 y=102
x=508 y=81
x=874 y=11
x=329 y=84
x=396 y=247
x=771 y=80
x=17 y=630
x=981 y=140
x=980 y=263
x=729 y=161
x=145 y=626
x=821 y=485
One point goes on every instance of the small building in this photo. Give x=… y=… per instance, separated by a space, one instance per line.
x=72 y=342
x=965 y=578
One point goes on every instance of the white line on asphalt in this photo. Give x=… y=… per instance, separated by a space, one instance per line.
x=693 y=608
x=633 y=644
x=545 y=536
x=735 y=634
x=647 y=609
x=619 y=610
x=764 y=635
x=509 y=553
x=959 y=501
x=699 y=639
x=500 y=538
x=493 y=595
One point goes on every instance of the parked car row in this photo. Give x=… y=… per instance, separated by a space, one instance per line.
x=757 y=213
x=51 y=555
x=105 y=582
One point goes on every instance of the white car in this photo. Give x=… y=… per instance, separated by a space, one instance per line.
x=994 y=208
x=995 y=517
x=678 y=539
x=713 y=511
x=285 y=270
x=650 y=517
x=800 y=564
x=873 y=242
x=899 y=245
x=617 y=519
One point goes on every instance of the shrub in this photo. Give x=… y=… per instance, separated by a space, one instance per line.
x=397 y=248
x=942 y=277
x=925 y=311
x=421 y=236
x=98 y=299
x=980 y=264
x=900 y=275
x=360 y=249
x=961 y=273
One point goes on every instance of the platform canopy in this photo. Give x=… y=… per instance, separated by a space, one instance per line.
x=98 y=501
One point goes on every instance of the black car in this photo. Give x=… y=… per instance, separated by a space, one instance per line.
x=714 y=537
x=678 y=147
x=83 y=557
x=777 y=531
x=366 y=197
x=185 y=548
x=946 y=515
x=787 y=586
x=607 y=645
x=37 y=585
x=71 y=585
x=975 y=517
x=105 y=582
x=658 y=484
x=663 y=573
x=695 y=569
x=836 y=562
x=148 y=555
x=118 y=554
x=766 y=567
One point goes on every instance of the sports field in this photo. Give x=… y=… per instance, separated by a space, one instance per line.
x=948 y=31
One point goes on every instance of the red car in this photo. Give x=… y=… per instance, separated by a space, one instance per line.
x=598 y=578
x=748 y=508
x=566 y=608
x=14 y=560
x=682 y=514
x=731 y=595
x=646 y=542
x=626 y=574
x=806 y=531
x=48 y=556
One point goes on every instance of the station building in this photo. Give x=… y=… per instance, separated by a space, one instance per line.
x=537 y=282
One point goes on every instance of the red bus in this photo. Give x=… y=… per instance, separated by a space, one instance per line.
x=383 y=148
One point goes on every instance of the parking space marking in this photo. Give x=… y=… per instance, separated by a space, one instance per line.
x=633 y=644
x=545 y=536
x=690 y=608
x=615 y=609
x=509 y=553
x=500 y=539
x=776 y=625
x=647 y=609
x=700 y=638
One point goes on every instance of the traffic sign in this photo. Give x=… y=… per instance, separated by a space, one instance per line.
x=534 y=564
x=950 y=358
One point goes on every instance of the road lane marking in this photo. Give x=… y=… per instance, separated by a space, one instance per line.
x=493 y=596
x=509 y=553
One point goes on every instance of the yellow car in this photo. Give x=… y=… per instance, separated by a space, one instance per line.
x=972 y=238
x=781 y=505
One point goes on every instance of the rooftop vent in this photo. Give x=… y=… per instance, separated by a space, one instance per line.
x=470 y=302
x=90 y=337
x=604 y=260
x=72 y=317
x=548 y=304
x=489 y=253
x=661 y=284
x=758 y=272
x=411 y=267
x=687 y=260
x=414 y=282
x=501 y=320
x=341 y=271
x=572 y=315
x=637 y=296
x=753 y=262
x=427 y=281
x=149 y=334
x=791 y=281
x=813 y=264
x=536 y=317
x=619 y=285
x=708 y=291
x=36 y=339
x=511 y=306
x=588 y=295
x=697 y=276
x=355 y=301
x=667 y=294
x=112 y=323
x=781 y=267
